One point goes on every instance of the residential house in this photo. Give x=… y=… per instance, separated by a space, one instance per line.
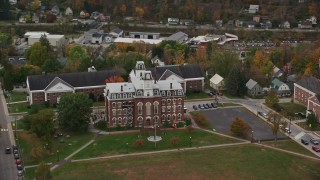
x=117 y=32
x=69 y=12
x=143 y=101
x=22 y=19
x=13 y=2
x=217 y=82
x=173 y=21
x=251 y=24
x=277 y=73
x=219 y=23
x=239 y=23
x=254 y=89
x=35 y=18
x=281 y=88
x=256 y=18
x=305 y=24
x=313 y=20
x=157 y=61
x=55 y=10
x=84 y=14
x=266 y=25
x=285 y=25
x=94 y=15
x=307 y=92
x=179 y=37
x=189 y=76
x=17 y=61
x=230 y=23
x=253 y=9
x=97 y=38
x=50 y=87
x=88 y=36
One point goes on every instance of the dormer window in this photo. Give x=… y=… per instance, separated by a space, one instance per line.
x=113 y=96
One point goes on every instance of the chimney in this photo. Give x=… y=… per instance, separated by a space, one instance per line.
x=170 y=85
x=121 y=88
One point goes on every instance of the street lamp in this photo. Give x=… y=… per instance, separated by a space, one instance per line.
x=127 y=148
x=190 y=143
x=58 y=155
x=251 y=136
x=290 y=118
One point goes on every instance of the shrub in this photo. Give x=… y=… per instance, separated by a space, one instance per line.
x=188 y=122
x=180 y=124
x=47 y=104
x=140 y=143
x=240 y=128
x=174 y=141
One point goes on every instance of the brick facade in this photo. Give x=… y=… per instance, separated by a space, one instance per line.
x=302 y=95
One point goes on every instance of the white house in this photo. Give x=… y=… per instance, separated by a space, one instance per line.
x=253 y=9
x=217 y=82
x=157 y=61
x=281 y=87
x=117 y=32
x=69 y=12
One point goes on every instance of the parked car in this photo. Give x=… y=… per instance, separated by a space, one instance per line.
x=14 y=147
x=209 y=105
x=316 y=149
x=303 y=141
x=201 y=106
x=314 y=142
x=195 y=107
x=16 y=156
x=8 y=150
x=20 y=173
x=18 y=161
x=15 y=151
x=210 y=94
x=301 y=114
x=205 y=106
x=19 y=167
x=263 y=114
x=287 y=130
x=214 y=105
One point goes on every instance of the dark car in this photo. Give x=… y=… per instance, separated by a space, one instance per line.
x=16 y=156
x=195 y=107
x=209 y=105
x=210 y=94
x=214 y=105
x=8 y=150
x=15 y=151
x=313 y=141
x=205 y=106
x=19 y=167
x=316 y=149
x=305 y=142
x=14 y=147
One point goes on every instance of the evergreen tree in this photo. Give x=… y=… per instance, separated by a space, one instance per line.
x=235 y=82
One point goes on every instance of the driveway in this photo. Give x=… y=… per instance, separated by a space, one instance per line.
x=222 y=118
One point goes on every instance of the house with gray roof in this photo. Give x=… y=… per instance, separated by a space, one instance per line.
x=254 y=89
x=50 y=87
x=217 y=82
x=179 y=37
x=117 y=32
x=307 y=92
x=190 y=76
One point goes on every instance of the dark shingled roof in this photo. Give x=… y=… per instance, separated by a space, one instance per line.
x=310 y=83
x=186 y=71
x=81 y=79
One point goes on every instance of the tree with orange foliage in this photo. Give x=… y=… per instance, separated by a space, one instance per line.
x=123 y=9
x=114 y=79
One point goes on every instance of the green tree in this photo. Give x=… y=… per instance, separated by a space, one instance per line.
x=8 y=78
x=5 y=10
x=235 y=82
x=5 y=40
x=37 y=54
x=312 y=120
x=51 y=65
x=74 y=111
x=240 y=128
x=43 y=172
x=42 y=123
x=76 y=54
x=272 y=98
x=221 y=60
x=45 y=42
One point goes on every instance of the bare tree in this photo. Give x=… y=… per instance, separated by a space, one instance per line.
x=276 y=120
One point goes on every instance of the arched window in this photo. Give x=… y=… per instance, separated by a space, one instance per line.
x=140 y=104
x=148 y=108
x=179 y=116
x=156 y=118
x=140 y=121
x=155 y=107
x=125 y=120
x=163 y=117
x=179 y=101
x=119 y=120
x=114 y=121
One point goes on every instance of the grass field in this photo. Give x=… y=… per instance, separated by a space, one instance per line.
x=27 y=141
x=292 y=108
x=116 y=144
x=291 y=146
x=241 y=162
x=199 y=95
x=17 y=96
x=18 y=107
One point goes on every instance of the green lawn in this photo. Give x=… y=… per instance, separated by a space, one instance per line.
x=199 y=95
x=30 y=173
x=291 y=146
x=27 y=141
x=98 y=103
x=292 y=108
x=116 y=144
x=17 y=96
x=241 y=162
x=18 y=108
x=20 y=124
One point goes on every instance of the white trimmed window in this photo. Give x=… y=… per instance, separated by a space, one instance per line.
x=140 y=104
x=148 y=108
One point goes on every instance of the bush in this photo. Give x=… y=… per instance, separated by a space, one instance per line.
x=188 y=122
x=174 y=141
x=167 y=124
x=47 y=104
x=277 y=107
x=140 y=143
x=180 y=124
x=240 y=128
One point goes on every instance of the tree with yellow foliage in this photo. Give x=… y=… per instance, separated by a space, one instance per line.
x=35 y=5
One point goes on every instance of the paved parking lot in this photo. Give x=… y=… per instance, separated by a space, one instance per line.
x=222 y=118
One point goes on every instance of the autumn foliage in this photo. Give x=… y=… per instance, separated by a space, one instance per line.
x=114 y=79
x=140 y=143
x=240 y=128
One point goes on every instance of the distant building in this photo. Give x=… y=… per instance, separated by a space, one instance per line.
x=55 y=10
x=219 y=23
x=35 y=18
x=157 y=61
x=144 y=35
x=54 y=40
x=285 y=25
x=173 y=21
x=117 y=32
x=305 y=24
x=93 y=36
x=179 y=37
x=187 y=22
x=17 y=61
x=69 y=12
x=282 y=88
x=253 y=9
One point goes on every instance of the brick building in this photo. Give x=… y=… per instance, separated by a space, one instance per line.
x=307 y=92
x=189 y=76
x=49 y=87
x=143 y=101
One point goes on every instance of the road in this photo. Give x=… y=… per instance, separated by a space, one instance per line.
x=8 y=170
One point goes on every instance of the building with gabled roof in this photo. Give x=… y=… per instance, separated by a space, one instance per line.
x=49 y=87
x=217 y=82
x=178 y=36
x=143 y=101
x=254 y=89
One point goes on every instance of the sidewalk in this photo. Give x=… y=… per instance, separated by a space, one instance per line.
x=5 y=108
